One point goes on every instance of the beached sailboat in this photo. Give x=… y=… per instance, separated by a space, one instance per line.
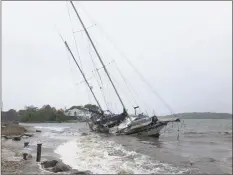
x=122 y=124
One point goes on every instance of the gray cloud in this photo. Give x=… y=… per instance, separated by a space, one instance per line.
x=182 y=48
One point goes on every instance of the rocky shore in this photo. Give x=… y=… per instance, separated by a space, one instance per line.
x=15 y=159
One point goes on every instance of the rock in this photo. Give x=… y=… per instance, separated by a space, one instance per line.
x=4 y=136
x=26 y=144
x=84 y=134
x=12 y=130
x=27 y=156
x=24 y=137
x=16 y=138
x=7 y=137
x=60 y=167
x=28 y=134
x=57 y=166
x=49 y=164
x=38 y=130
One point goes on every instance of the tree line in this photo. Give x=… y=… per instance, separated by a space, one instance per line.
x=44 y=114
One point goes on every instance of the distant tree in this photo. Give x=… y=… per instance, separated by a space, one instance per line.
x=92 y=107
x=47 y=108
x=44 y=114
x=54 y=109
x=75 y=107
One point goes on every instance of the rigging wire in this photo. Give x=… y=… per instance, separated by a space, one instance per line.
x=122 y=76
x=101 y=90
x=76 y=45
x=130 y=63
x=96 y=72
x=130 y=87
x=68 y=56
x=141 y=76
x=127 y=85
x=74 y=35
x=125 y=93
x=108 y=94
x=83 y=29
x=94 y=65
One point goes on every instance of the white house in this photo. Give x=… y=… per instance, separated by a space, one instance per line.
x=80 y=114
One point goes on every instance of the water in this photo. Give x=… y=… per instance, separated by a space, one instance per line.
x=203 y=146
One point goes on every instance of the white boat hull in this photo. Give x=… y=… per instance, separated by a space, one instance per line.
x=155 y=132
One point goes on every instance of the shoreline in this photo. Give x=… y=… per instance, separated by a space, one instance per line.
x=12 y=161
x=52 y=136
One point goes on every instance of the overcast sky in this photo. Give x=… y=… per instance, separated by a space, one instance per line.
x=184 y=49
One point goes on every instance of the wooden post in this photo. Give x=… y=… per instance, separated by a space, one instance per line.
x=38 y=156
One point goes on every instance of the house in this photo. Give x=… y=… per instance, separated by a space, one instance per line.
x=80 y=114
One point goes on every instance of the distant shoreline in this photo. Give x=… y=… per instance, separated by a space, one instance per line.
x=200 y=115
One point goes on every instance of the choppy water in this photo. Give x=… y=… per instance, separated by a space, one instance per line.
x=203 y=146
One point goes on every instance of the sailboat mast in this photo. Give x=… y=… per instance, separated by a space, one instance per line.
x=105 y=69
x=83 y=75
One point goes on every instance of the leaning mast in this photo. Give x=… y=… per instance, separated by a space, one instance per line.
x=105 y=69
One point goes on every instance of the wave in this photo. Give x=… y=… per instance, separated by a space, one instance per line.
x=91 y=152
x=58 y=129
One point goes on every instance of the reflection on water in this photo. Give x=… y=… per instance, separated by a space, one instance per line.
x=152 y=140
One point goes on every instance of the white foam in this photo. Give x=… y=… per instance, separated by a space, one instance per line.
x=58 y=129
x=100 y=156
